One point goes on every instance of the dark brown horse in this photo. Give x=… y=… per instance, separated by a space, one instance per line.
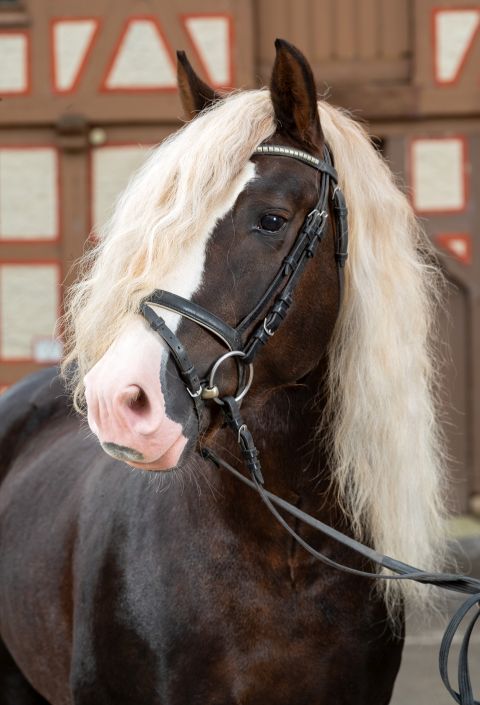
x=176 y=588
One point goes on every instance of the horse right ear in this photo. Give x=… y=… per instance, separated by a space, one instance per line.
x=294 y=96
x=194 y=93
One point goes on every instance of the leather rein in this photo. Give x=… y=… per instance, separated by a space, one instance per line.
x=243 y=348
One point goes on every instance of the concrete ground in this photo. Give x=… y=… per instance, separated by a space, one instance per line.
x=419 y=681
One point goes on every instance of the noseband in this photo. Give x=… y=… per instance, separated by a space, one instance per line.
x=278 y=297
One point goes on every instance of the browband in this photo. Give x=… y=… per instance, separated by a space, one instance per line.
x=281 y=151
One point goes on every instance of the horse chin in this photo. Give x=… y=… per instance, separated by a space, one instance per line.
x=169 y=460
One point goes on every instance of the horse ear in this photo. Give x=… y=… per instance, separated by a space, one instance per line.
x=194 y=93
x=294 y=96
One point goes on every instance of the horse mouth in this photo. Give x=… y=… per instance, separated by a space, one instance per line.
x=165 y=462
x=122 y=452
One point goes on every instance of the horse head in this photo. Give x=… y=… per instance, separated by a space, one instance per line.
x=232 y=267
x=208 y=252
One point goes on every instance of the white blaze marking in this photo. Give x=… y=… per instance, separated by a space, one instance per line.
x=187 y=277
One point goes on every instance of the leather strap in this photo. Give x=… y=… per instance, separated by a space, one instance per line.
x=341 y=227
x=464 y=696
x=309 y=236
x=198 y=314
x=447 y=581
x=182 y=360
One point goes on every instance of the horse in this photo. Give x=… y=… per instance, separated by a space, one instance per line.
x=134 y=569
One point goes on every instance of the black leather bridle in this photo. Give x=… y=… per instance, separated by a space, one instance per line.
x=245 y=347
x=266 y=316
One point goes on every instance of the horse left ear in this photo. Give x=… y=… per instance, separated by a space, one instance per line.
x=294 y=96
x=194 y=93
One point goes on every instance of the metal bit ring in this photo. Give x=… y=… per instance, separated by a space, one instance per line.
x=211 y=380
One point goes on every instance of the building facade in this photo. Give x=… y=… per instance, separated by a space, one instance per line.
x=88 y=88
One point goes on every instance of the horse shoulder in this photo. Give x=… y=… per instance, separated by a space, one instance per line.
x=26 y=408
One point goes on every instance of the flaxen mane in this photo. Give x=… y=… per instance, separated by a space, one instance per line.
x=383 y=433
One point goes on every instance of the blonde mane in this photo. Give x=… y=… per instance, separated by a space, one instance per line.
x=383 y=435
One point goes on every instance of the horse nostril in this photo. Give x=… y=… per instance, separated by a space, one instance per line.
x=136 y=399
x=137 y=410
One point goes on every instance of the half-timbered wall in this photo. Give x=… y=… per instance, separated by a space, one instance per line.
x=88 y=88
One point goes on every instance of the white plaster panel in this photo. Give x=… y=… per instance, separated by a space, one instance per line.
x=212 y=39
x=13 y=63
x=71 y=41
x=438 y=174
x=112 y=169
x=454 y=32
x=28 y=194
x=142 y=60
x=28 y=307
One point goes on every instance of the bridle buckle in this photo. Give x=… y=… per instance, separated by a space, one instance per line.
x=267 y=330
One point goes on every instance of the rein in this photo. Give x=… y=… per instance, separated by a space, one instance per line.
x=243 y=348
x=403 y=571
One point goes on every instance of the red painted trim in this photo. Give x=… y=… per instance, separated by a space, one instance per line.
x=31 y=263
x=138 y=89
x=81 y=68
x=91 y=178
x=58 y=215
x=433 y=24
x=231 y=39
x=442 y=240
x=465 y=180
x=27 y=63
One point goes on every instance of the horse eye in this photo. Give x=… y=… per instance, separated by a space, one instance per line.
x=272 y=223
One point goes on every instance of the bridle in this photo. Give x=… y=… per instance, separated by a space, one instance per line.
x=244 y=347
x=273 y=304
